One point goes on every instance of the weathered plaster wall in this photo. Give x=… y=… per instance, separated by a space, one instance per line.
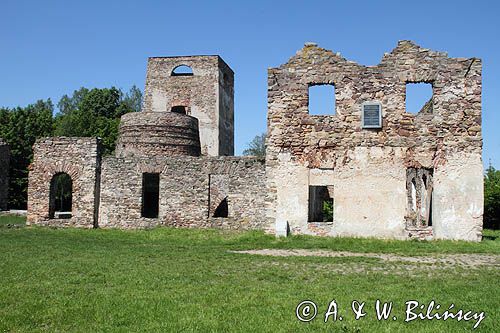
x=80 y=158
x=4 y=175
x=184 y=192
x=208 y=95
x=374 y=178
x=458 y=197
x=369 y=166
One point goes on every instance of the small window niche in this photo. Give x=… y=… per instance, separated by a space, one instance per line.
x=182 y=70
x=179 y=109
x=218 y=196
x=419 y=97
x=320 y=204
x=371 y=115
x=222 y=210
x=322 y=100
x=150 y=195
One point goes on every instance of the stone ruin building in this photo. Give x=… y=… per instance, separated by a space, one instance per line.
x=384 y=172
x=4 y=175
x=390 y=173
x=173 y=163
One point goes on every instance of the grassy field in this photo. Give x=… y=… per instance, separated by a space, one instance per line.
x=174 y=280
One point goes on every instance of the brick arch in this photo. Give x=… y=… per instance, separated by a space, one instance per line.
x=50 y=170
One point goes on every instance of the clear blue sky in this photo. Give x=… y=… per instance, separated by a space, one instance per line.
x=50 y=48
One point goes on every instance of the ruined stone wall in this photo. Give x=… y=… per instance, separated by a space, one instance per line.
x=207 y=95
x=80 y=158
x=4 y=175
x=367 y=167
x=184 y=192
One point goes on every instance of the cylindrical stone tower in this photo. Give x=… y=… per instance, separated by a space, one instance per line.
x=153 y=134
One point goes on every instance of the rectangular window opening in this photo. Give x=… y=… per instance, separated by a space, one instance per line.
x=418 y=97
x=150 y=195
x=322 y=99
x=320 y=204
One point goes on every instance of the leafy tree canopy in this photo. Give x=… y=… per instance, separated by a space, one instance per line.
x=96 y=112
x=20 y=127
x=256 y=147
x=492 y=198
x=87 y=112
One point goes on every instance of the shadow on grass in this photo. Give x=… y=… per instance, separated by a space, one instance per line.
x=12 y=221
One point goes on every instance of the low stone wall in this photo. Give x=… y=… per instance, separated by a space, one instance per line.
x=4 y=175
x=184 y=195
x=80 y=158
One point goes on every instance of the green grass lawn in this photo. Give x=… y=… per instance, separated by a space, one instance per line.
x=178 y=280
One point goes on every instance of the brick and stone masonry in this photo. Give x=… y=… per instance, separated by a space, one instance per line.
x=415 y=175
x=186 y=193
x=4 y=175
x=80 y=158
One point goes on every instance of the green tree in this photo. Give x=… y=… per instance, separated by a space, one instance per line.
x=257 y=147
x=133 y=99
x=492 y=198
x=20 y=127
x=96 y=112
x=68 y=104
x=328 y=210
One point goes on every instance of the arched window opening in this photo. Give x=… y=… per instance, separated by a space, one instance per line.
x=179 y=109
x=182 y=70
x=61 y=196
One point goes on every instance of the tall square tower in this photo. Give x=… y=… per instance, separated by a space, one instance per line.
x=199 y=86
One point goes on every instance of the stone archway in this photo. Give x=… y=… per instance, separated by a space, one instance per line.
x=61 y=196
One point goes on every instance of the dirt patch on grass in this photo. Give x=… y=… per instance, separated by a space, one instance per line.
x=464 y=260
